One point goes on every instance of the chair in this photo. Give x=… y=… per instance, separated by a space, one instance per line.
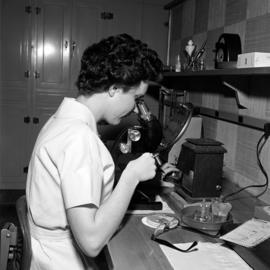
x=21 y=207
x=15 y=249
x=9 y=247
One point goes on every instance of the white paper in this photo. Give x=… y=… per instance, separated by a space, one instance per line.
x=209 y=256
x=250 y=233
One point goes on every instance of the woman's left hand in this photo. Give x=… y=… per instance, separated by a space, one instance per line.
x=167 y=168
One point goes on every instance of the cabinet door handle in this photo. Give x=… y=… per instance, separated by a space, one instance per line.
x=35 y=120
x=27 y=74
x=25 y=169
x=28 y=9
x=36 y=74
x=26 y=119
x=38 y=10
x=73 y=47
x=106 y=15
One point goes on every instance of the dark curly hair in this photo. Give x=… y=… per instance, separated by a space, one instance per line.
x=120 y=60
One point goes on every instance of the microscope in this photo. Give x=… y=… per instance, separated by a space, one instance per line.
x=147 y=136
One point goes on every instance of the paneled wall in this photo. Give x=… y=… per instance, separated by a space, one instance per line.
x=208 y=19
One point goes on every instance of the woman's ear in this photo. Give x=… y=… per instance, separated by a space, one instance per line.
x=112 y=90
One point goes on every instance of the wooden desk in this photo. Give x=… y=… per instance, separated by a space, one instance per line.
x=131 y=248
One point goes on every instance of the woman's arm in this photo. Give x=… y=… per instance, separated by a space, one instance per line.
x=92 y=227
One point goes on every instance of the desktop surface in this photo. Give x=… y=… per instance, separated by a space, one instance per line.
x=132 y=247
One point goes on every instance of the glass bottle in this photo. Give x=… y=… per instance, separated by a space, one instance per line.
x=178 y=63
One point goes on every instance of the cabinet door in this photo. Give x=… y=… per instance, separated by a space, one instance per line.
x=86 y=30
x=14 y=154
x=154 y=29
x=126 y=18
x=51 y=55
x=52 y=46
x=15 y=49
x=14 y=92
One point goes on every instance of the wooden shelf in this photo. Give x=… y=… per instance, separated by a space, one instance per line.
x=251 y=80
x=242 y=120
x=261 y=71
x=230 y=82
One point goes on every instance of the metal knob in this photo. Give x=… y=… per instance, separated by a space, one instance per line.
x=133 y=135
x=124 y=148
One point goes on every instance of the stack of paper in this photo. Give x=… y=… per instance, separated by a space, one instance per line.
x=250 y=233
x=209 y=256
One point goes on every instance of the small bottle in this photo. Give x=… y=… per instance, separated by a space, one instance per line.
x=178 y=63
x=201 y=64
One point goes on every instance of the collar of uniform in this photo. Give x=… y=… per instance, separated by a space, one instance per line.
x=71 y=108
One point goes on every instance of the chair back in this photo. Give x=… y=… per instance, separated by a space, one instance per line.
x=21 y=208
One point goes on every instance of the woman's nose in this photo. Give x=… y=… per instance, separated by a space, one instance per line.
x=136 y=109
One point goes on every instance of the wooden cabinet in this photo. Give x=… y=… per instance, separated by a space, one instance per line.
x=36 y=63
x=15 y=92
x=41 y=43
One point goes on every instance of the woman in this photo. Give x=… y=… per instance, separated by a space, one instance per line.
x=73 y=209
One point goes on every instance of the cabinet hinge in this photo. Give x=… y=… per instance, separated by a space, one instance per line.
x=27 y=74
x=26 y=119
x=25 y=169
x=38 y=10
x=106 y=15
x=35 y=120
x=28 y=9
x=36 y=74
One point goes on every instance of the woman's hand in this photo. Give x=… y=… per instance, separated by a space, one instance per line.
x=168 y=168
x=143 y=168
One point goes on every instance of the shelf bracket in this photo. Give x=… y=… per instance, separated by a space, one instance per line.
x=241 y=99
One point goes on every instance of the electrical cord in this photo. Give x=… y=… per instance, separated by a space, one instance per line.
x=259 y=148
x=261 y=166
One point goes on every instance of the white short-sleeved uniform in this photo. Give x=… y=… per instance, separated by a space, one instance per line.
x=70 y=166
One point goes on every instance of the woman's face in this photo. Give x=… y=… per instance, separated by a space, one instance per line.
x=122 y=103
